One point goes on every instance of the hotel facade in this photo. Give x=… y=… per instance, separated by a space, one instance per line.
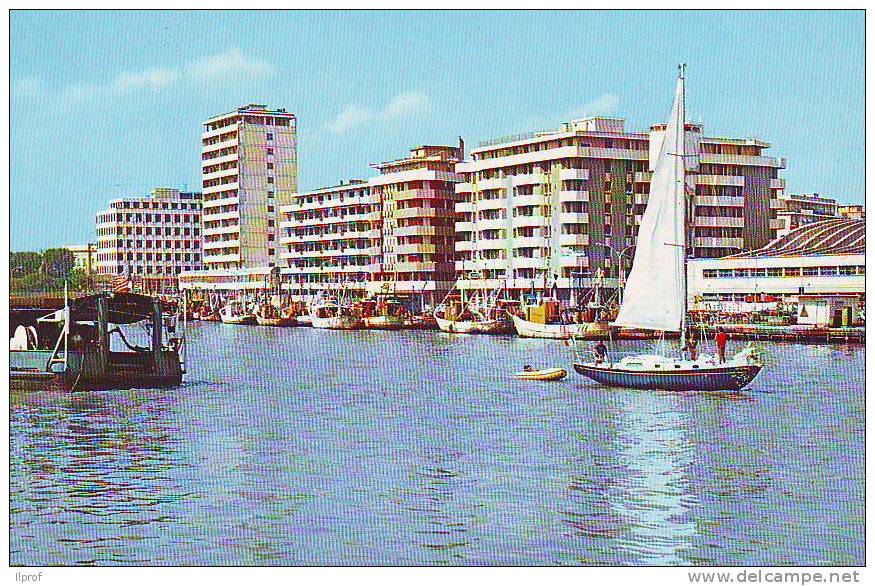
x=546 y=210
x=393 y=233
x=249 y=169
x=151 y=239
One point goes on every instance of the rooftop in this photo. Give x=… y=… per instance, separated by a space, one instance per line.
x=828 y=237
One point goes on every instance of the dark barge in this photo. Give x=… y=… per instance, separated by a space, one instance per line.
x=70 y=349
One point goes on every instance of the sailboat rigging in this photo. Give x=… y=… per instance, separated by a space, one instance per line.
x=655 y=296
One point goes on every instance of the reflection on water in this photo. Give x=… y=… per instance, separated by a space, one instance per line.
x=295 y=446
x=654 y=494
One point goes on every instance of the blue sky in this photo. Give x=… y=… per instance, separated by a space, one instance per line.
x=105 y=104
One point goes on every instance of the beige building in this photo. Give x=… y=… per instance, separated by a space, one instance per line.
x=546 y=210
x=151 y=239
x=416 y=198
x=249 y=169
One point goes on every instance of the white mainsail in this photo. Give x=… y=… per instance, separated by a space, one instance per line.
x=654 y=297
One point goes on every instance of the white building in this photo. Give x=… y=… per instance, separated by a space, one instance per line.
x=249 y=169
x=152 y=239
x=799 y=209
x=546 y=210
x=330 y=240
x=823 y=258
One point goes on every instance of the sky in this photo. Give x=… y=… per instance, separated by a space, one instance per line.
x=111 y=104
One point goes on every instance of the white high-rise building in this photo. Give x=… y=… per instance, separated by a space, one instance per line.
x=249 y=169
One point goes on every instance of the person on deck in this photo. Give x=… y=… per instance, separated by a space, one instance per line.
x=721 y=345
x=693 y=347
x=601 y=352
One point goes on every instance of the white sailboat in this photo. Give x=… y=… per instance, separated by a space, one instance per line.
x=655 y=297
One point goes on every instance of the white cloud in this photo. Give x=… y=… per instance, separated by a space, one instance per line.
x=604 y=105
x=404 y=105
x=232 y=64
x=348 y=118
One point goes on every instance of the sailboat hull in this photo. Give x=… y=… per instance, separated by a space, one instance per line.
x=717 y=379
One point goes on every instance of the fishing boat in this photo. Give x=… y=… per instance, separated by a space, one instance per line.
x=655 y=296
x=548 y=319
x=271 y=315
x=82 y=357
x=235 y=313
x=546 y=374
x=384 y=312
x=482 y=314
x=333 y=316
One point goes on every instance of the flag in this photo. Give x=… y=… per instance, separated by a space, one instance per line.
x=121 y=284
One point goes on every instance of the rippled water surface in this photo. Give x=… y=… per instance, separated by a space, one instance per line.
x=300 y=446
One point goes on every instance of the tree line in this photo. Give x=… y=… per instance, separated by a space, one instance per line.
x=45 y=272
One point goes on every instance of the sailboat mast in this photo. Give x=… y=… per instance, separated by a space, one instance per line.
x=682 y=124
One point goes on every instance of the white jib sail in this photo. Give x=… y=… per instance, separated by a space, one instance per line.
x=653 y=298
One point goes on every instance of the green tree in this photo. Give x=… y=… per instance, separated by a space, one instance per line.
x=57 y=263
x=24 y=263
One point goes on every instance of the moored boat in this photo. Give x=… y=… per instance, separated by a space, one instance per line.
x=332 y=316
x=235 y=313
x=81 y=359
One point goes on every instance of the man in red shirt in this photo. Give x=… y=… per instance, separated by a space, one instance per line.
x=721 y=345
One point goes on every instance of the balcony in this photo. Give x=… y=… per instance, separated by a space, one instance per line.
x=464 y=245
x=415 y=231
x=743 y=160
x=464 y=207
x=573 y=174
x=529 y=200
x=719 y=200
x=529 y=221
x=523 y=262
x=642 y=176
x=574 y=239
x=415 y=249
x=707 y=242
x=574 y=218
x=778 y=183
x=215 y=230
x=235 y=243
x=410 y=267
x=731 y=180
x=528 y=179
x=493 y=224
x=464 y=226
x=565 y=195
x=529 y=242
x=415 y=212
x=491 y=244
x=217 y=203
x=234 y=185
x=492 y=204
x=719 y=222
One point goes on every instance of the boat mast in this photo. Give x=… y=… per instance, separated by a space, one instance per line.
x=683 y=178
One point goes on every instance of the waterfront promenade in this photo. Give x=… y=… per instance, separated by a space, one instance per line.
x=299 y=446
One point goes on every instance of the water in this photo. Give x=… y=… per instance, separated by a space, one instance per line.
x=300 y=446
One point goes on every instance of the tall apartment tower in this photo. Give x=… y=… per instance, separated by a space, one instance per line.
x=416 y=197
x=250 y=168
x=549 y=209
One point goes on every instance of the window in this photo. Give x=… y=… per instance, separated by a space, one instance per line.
x=270 y=151
x=810 y=271
x=775 y=272
x=269 y=136
x=270 y=179
x=270 y=165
